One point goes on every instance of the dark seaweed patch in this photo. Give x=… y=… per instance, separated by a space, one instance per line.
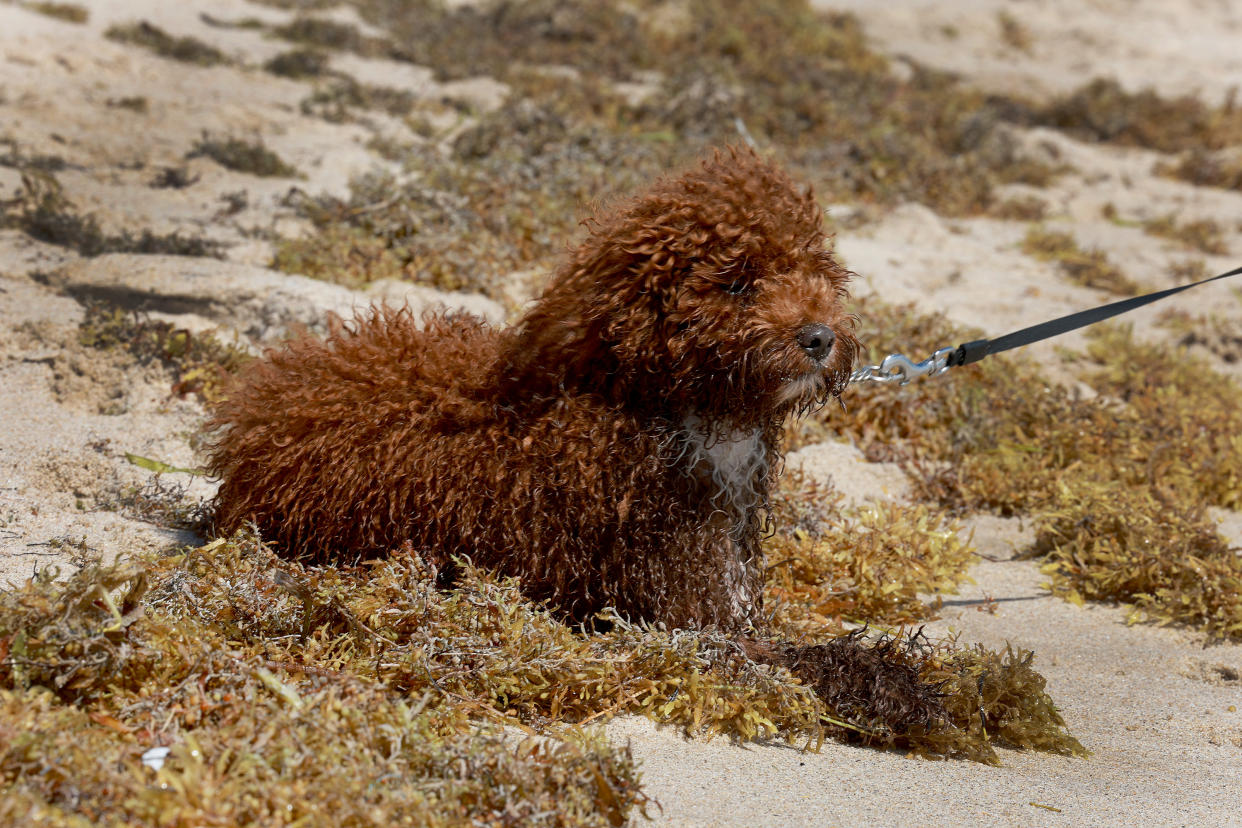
x=185 y=49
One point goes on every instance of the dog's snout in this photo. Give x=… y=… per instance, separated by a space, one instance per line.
x=816 y=340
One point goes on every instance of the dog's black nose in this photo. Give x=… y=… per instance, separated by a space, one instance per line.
x=816 y=340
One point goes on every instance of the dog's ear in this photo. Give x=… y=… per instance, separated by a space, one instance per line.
x=555 y=344
x=611 y=286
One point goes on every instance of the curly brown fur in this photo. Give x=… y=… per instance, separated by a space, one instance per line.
x=615 y=448
x=874 y=683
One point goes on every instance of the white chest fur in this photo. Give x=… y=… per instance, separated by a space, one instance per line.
x=735 y=463
x=733 y=467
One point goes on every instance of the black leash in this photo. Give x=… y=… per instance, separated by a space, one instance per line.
x=900 y=369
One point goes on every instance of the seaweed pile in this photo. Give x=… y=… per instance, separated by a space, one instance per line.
x=198 y=365
x=370 y=696
x=98 y=668
x=636 y=91
x=43 y=211
x=1117 y=480
x=605 y=96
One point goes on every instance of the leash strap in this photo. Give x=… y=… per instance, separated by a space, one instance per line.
x=969 y=352
x=900 y=369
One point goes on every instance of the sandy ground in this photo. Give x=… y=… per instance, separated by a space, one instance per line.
x=1178 y=47
x=1158 y=711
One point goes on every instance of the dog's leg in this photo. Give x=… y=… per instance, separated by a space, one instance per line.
x=734 y=600
x=731 y=470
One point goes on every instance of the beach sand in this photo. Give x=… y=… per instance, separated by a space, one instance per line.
x=1158 y=710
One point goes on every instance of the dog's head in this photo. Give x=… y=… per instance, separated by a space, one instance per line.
x=710 y=294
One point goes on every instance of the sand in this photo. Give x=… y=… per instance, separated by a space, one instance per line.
x=1158 y=710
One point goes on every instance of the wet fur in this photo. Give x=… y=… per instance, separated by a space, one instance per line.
x=616 y=447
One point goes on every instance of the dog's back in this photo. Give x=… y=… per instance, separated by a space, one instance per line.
x=321 y=426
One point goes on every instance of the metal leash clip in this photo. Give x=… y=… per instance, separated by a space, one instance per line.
x=900 y=369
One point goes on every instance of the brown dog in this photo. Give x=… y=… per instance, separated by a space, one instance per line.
x=615 y=448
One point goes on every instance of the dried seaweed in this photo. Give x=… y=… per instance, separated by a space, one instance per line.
x=166 y=504
x=1025 y=208
x=465 y=227
x=1013 y=32
x=173 y=178
x=876 y=687
x=1089 y=268
x=323 y=33
x=1207 y=169
x=252 y=157
x=185 y=49
x=873 y=565
x=1204 y=235
x=298 y=64
x=336 y=100
x=138 y=104
x=1144 y=548
x=483 y=643
x=1000 y=698
x=999 y=436
x=345 y=753
x=1222 y=336
x=1101 y=110
x=197 y=364
x=1184 y=431
x=384 y=693
x=69 y=12
x=91 y=674
x=724 y=71
x=39 y=165
x=42 y=210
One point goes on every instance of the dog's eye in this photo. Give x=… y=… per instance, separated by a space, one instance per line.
x=742 y=284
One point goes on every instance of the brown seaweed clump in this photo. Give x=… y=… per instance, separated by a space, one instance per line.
x=1089 y=268
x=1140 y=547
x=998 y=436
x=252 y=157
x=196 y=364
x=370 y=696
x=1204 y=235
x=630 y=92
x=1101 y=110
x=872 y=565
x=185 y=49
x=43 y=211
x=1207 y=169
x=1221 y=336
x=97 y=669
